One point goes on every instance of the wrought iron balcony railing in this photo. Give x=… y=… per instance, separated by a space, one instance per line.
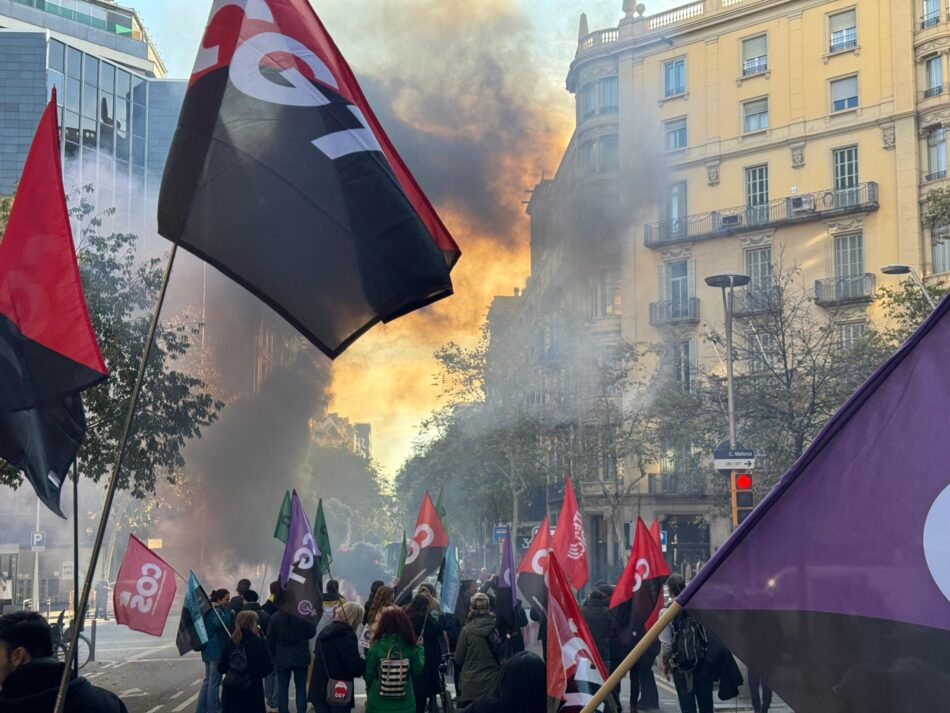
x=800 y=208
x=936 y=175
x=755 y=300
x=932 y=91
x=674 y=312
x=841 y=290
x=755 y=65
x=677 y=485
x=931 y=19
x=844 y=40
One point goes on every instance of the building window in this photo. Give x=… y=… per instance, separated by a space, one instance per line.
x=674 y=77
x=684 y=363
x=846 y=168
x=931 y=14
x=755 y=59
x=675 y=132
x=849 y=265
x=851 y=333
x=936 y=153
x=933 y=71
x=755 y=115
x=586 y=103
x=760 y=348
x=844 y=93
x=608 y=95
x=757 y=194
x=844 y=31
x=676 y=210
x=608 y=153
x=605 y=294
x=758 y=266
x=678 y=288
x=587 y=156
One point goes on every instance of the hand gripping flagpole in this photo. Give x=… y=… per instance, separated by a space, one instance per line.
x=114 y=480
x=631 y=659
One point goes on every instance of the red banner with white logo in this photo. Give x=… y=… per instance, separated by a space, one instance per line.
x=569 y=544
x=144 y=590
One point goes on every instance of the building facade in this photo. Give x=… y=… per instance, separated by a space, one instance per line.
x=730 y=136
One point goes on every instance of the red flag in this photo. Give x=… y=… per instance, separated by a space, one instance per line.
x=144 y=590
x=655 y=531
x=533 y=567
x=569 y=542
x=426 y=550
x=639 y=590
x=575 y=669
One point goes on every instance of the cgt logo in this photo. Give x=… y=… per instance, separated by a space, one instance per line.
x=641 y=573
x=539 y=563
x=269 y=66
x=422 y=538
x=577 y=548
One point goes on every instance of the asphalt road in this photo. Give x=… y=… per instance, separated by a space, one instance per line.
x=150 y=677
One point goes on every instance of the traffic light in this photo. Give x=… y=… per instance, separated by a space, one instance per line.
x=742 y=500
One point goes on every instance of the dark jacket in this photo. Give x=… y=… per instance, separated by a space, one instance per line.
x=288 y=640
x=218 y=621
x=427 y=683
x=602 y=624
x=336 y=653
x=263 y=617
x=32 y=688
x=258 y=666
x=480 y=667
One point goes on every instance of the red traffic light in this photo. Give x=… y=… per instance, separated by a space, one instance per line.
x=743 y=481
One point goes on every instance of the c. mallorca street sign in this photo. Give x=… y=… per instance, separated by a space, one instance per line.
x=734 y=463
x=738 y=458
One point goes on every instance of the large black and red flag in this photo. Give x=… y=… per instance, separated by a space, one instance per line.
x=48 y=351
x=640 y=588
x=533 y=568
x=281 y=177
x=575 y=670
x=426 y=550
x=836 y=589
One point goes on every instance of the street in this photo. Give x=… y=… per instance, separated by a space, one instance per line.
x=150 y=677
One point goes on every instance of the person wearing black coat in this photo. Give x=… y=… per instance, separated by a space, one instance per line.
x=600 y=621
x=336 y=655
x=243 y=698
x=252 y=603
x=427 y=624
x=288 y=640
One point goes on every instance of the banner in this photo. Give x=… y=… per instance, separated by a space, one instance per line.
x=506 y=605
x=569 y=541
x=451 y=581
x=323 y=539
x=300 y=581
x=426 y=550
x=639 y=591
x=533 y=570
x=282 y=526
x=192 y=633
x=144 y=590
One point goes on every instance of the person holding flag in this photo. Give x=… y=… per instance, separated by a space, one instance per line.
x=218 y=623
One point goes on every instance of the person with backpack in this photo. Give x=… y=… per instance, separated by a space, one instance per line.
x=478 y=653
x=252 y=603
x=392 y=660
x=218 y=622
x=269 y=608
x=288 y=640
x=684 y=646
x=244 y=664
x=337 y=661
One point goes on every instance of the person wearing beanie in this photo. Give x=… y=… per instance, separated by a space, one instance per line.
x=478 y=653
x=252 y=602
x=336 y=655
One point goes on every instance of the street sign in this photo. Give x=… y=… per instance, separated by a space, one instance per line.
x=724 y=452
x=663 y=540
x=154 y=543
x=498 y=534
x=744 y=463
x=66 y=571
x=38 y=541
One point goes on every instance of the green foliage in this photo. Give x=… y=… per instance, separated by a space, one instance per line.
x=937 y=208
x=905 y=308
x=174 y=407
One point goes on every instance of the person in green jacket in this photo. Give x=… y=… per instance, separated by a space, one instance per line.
x=394 y=638
x=479 y=662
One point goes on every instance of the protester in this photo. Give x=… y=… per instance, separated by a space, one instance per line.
x=218 y=623
x=237 y=601
x=374 y=587
x=467 y=589
x=252 y=603
x=30 y=676
x=244 y=664
x=102 y=599
x=693 y=679
x=428 y=628
x=336 y=656
x=288 y=640
x=521 y=688
x=388 y=687
x=600 y=621
x=270 y=683
x=649 y=693
x=761 y=693
x=331 y=601
x=478 y=650
x=384 y=597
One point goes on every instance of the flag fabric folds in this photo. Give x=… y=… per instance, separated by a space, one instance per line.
x=451 y=581
x=301 y=585
x=282 y=526
x=323 y=539
x=192 y=633
x=655 y=532
x=48 y=350
x=569 y=541
x=144 y=589
x=575 y=670
x=640 y=588
x=425 y=552
x=335 y=233
x=533 y=568
x=836 y=589
x=505 y=605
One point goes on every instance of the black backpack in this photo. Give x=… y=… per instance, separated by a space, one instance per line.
x=690 y=645
x=238 y=677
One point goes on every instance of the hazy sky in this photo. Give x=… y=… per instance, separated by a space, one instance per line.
x=472 y=95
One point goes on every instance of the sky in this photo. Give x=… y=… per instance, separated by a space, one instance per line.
x=472 y=95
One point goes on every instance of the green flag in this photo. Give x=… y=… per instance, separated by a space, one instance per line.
x=402 y=556
x=282 y=528
x=323 y=539
x=438 y=507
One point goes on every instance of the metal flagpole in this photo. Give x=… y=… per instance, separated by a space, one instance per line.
x=77 y=622
x=114 y=480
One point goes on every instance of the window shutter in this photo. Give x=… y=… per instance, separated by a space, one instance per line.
x=842 y=21
x=691 y=277
x=844 y=88
x=754 y=47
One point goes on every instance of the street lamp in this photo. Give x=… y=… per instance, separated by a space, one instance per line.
x=729 y=280
x=908 y=270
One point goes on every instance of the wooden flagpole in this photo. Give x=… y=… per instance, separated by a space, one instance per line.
x=114 y=480
x=617 y=676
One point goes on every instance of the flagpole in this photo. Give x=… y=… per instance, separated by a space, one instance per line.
x=114 y=480
x=631 y=659
x=77 y=622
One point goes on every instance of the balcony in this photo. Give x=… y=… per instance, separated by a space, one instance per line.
x=932 y=92
x=835 y=291
x=800 y=208
x=674 y=312
x=931 y=19
x=751 y=301
x=843 y=40
x=936 y=176
x=755 y=65
x=677 y=485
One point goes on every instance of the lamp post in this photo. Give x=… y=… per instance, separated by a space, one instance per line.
x=729 y=280
x=908 y=270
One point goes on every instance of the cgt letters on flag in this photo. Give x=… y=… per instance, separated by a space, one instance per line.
x=144 y=590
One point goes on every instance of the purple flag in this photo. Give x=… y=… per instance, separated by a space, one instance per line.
x=506 y=606
x=836 y=589
x=300 y=580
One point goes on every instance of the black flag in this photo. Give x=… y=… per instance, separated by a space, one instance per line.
x=300 y=580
